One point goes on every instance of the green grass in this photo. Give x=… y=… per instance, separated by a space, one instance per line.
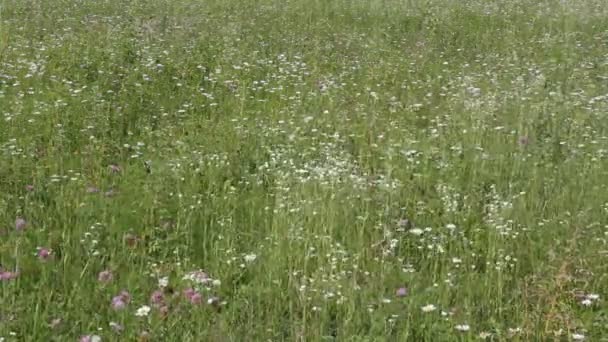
x=279 y=145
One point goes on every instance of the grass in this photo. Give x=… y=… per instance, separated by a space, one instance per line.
x=312 y=158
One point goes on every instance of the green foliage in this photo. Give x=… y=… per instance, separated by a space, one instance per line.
x=312 y=157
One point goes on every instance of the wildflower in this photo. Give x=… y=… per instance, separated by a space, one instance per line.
x=578 y=337
x=43 y=254
x=120 y=302
x=163 y=282
x=126 y=297
x=189 y=292
x=157 y=297
x=404 y=223
x=105 y=276
x=250 y=257
x=164 y=311
x=114 y=168
x=110 y=193
x=20 y=224
x=213 y=300
x=55 y=323
x=116 y=327
x=463 y=327
x=7 y=275
x=196 y=298
x=586 y=302
x=90 y=338
x=514 y=331
x=593 y=296
x=416 y=231
x=401 y=292
x=199 y=277
x=92 y=190
x=429 y=308
x=484 y=334
x=143 y=311
x=193 y=296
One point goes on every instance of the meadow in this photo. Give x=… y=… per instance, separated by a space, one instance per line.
x=303 y=170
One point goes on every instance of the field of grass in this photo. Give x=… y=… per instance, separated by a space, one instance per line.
x=303 y=170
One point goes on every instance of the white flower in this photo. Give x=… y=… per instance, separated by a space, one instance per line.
x=143 y=311
x=429 y=308
x=416 y=231
x=163 y=282
x=450 y=226
x=473 y=91
x=463 y=327
x=216 y=282
x=484 y=335
x=199 y=277
x=250 y=257
x=514 y=331
x=593 y=296
x=586 y=302
x=578 y=337
x=116 y=327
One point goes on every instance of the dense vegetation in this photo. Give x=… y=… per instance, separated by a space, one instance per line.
x=303 y=170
